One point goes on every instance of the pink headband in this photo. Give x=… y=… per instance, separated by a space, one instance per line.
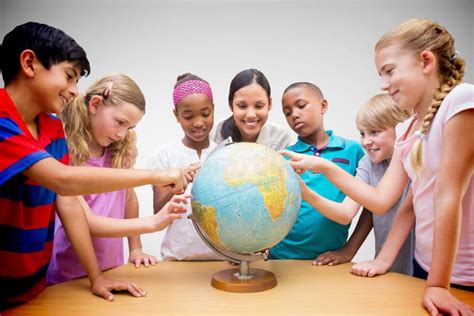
x=191 y=87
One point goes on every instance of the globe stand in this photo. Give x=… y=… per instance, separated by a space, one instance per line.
x=242 y=279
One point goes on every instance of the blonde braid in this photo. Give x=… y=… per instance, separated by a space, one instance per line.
x=457 y=73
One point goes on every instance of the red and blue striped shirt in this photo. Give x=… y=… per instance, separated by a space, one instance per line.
x=27 y=209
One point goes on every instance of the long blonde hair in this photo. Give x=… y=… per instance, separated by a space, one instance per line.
x=379 y=112
x=113 y=89
x=418 y=35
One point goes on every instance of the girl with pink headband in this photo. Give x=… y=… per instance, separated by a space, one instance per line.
x=194 y=111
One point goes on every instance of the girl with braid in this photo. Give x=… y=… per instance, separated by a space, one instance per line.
x=421 y=70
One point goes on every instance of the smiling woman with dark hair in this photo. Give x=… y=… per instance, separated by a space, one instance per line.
x=250 y=102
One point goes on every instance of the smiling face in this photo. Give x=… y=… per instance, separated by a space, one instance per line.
x=406 y=76
x=378 y=143
x=55 y=86
x=304 y=111
x=250 y=106
x=110 y=122
x=195 y=114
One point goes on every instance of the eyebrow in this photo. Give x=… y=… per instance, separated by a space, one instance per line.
x=123 y=119
x=76 y=73
x=385 y=66
x=300 y=100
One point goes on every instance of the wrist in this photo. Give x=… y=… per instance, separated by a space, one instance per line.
x=386 y=261
x=94 y=276
x=135 y=249
x=350 y=250
x=321 y=167
x=157 y=176
x=432 y=282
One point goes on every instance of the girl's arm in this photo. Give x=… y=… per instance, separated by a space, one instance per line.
x=70 y=180
x=378 y=199
x=160 y=198
x=77 y=229
x=401 y=227
x=136 y=254
x=346 y=253
x=456 y=170
x=103 y=226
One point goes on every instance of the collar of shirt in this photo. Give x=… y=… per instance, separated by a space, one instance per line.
x=305 y=148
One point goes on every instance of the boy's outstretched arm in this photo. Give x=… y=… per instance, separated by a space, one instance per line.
x=70 y=180
x=77 y=229
x=401 y=227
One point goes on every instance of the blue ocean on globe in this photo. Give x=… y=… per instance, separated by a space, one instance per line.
x=245 y=198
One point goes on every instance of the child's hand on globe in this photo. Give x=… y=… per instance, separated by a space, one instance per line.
x=301 y=163
x=191 y=170
x=171 y=211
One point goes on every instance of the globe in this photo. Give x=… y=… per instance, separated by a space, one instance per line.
x=245 y=199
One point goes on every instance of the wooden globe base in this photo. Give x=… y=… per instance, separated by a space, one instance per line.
x=226 y=280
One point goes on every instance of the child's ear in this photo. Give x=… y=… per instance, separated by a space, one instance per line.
x=269 y=103
x=94 y=103
x=28 y=62
x=429 y=61
x=324 y=106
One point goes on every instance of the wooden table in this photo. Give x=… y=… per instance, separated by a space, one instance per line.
x=183 y=288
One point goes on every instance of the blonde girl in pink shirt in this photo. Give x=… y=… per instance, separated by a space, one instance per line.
x=421 y=70
x=99 y=129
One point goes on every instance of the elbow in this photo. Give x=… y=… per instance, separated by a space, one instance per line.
x=380 y=208
x=345 y=221
x=62 y=184
x=379 y=211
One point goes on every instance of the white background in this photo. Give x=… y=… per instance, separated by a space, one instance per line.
x=328 y=42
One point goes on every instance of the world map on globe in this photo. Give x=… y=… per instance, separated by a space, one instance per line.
x=245 y=198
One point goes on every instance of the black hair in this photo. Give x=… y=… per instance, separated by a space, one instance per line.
x=241 y=80
x=314 y=88
x=51 y=46
x=187 y=77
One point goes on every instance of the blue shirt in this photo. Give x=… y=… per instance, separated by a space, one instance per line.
x=313 y=233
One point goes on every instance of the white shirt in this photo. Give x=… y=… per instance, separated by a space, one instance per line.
x=181 y=241
x=271 y=135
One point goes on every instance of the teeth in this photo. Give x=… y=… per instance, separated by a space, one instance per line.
x=251 y=124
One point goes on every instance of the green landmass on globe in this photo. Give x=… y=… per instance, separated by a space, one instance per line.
x=245 y=198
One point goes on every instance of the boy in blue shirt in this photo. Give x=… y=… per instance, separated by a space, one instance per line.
x=314 y=234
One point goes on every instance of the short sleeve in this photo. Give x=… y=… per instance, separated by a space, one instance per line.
x=18 y=151
x=275 y=136
x=459 y=99
x=363 y=169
